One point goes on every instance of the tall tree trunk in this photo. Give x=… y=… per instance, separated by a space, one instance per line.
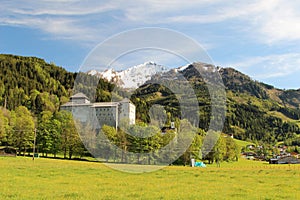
x=138 y=157
x=115 y=156
x=70 y=154
x=65 y=152
x=149 y=159
x=122 y=157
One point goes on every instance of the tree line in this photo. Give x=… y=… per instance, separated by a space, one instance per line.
x=55 y=132
x=148 y=144
x=59 y=134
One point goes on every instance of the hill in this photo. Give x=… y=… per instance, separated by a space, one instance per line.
x=29 y=81
x=40 y=86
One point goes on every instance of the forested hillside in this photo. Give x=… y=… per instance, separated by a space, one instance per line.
x=40 y=86
x=255 y=111
x=33 y=83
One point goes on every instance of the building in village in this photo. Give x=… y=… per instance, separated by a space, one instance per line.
x=106 y=113
x=284 y=160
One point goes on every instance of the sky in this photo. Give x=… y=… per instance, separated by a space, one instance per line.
x=258 y=38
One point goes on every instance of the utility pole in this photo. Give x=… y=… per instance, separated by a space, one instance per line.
x=34 y=143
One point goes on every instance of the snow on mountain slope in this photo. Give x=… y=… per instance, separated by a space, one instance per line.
x=182 y=68
x=132 y=77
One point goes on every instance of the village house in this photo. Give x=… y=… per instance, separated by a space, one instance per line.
x=284 y=160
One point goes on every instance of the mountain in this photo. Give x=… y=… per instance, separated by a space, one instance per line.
x=255 y=111
x=132 y=77
x=237 y=82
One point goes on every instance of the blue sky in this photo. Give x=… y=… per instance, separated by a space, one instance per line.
x=259 y=38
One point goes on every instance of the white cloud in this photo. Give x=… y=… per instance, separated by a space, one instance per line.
x=271 y=66
x=58 y=28
x=282 y=23
x=60 y=19
x=268 y=21
x=145 y=12
x=157 y=11
x=57 y=7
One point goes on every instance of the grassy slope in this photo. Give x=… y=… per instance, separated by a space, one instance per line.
x=21 y=178
x=283 y=117
x=242 y=143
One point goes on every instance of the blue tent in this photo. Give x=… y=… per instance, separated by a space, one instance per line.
x=199 y=164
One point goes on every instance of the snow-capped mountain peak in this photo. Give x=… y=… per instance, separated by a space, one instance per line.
x=132 y=77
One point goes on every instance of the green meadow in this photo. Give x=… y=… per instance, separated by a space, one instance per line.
x=23 y=178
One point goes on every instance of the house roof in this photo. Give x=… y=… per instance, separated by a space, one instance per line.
x=7 y=147
x=79 y=96
x=288 y=159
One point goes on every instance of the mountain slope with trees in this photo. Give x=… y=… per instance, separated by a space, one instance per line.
x=40 y=86
x=255 y=111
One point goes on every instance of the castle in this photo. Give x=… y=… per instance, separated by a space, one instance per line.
x=107 y=113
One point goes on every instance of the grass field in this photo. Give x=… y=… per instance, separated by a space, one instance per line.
x=22 y=178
